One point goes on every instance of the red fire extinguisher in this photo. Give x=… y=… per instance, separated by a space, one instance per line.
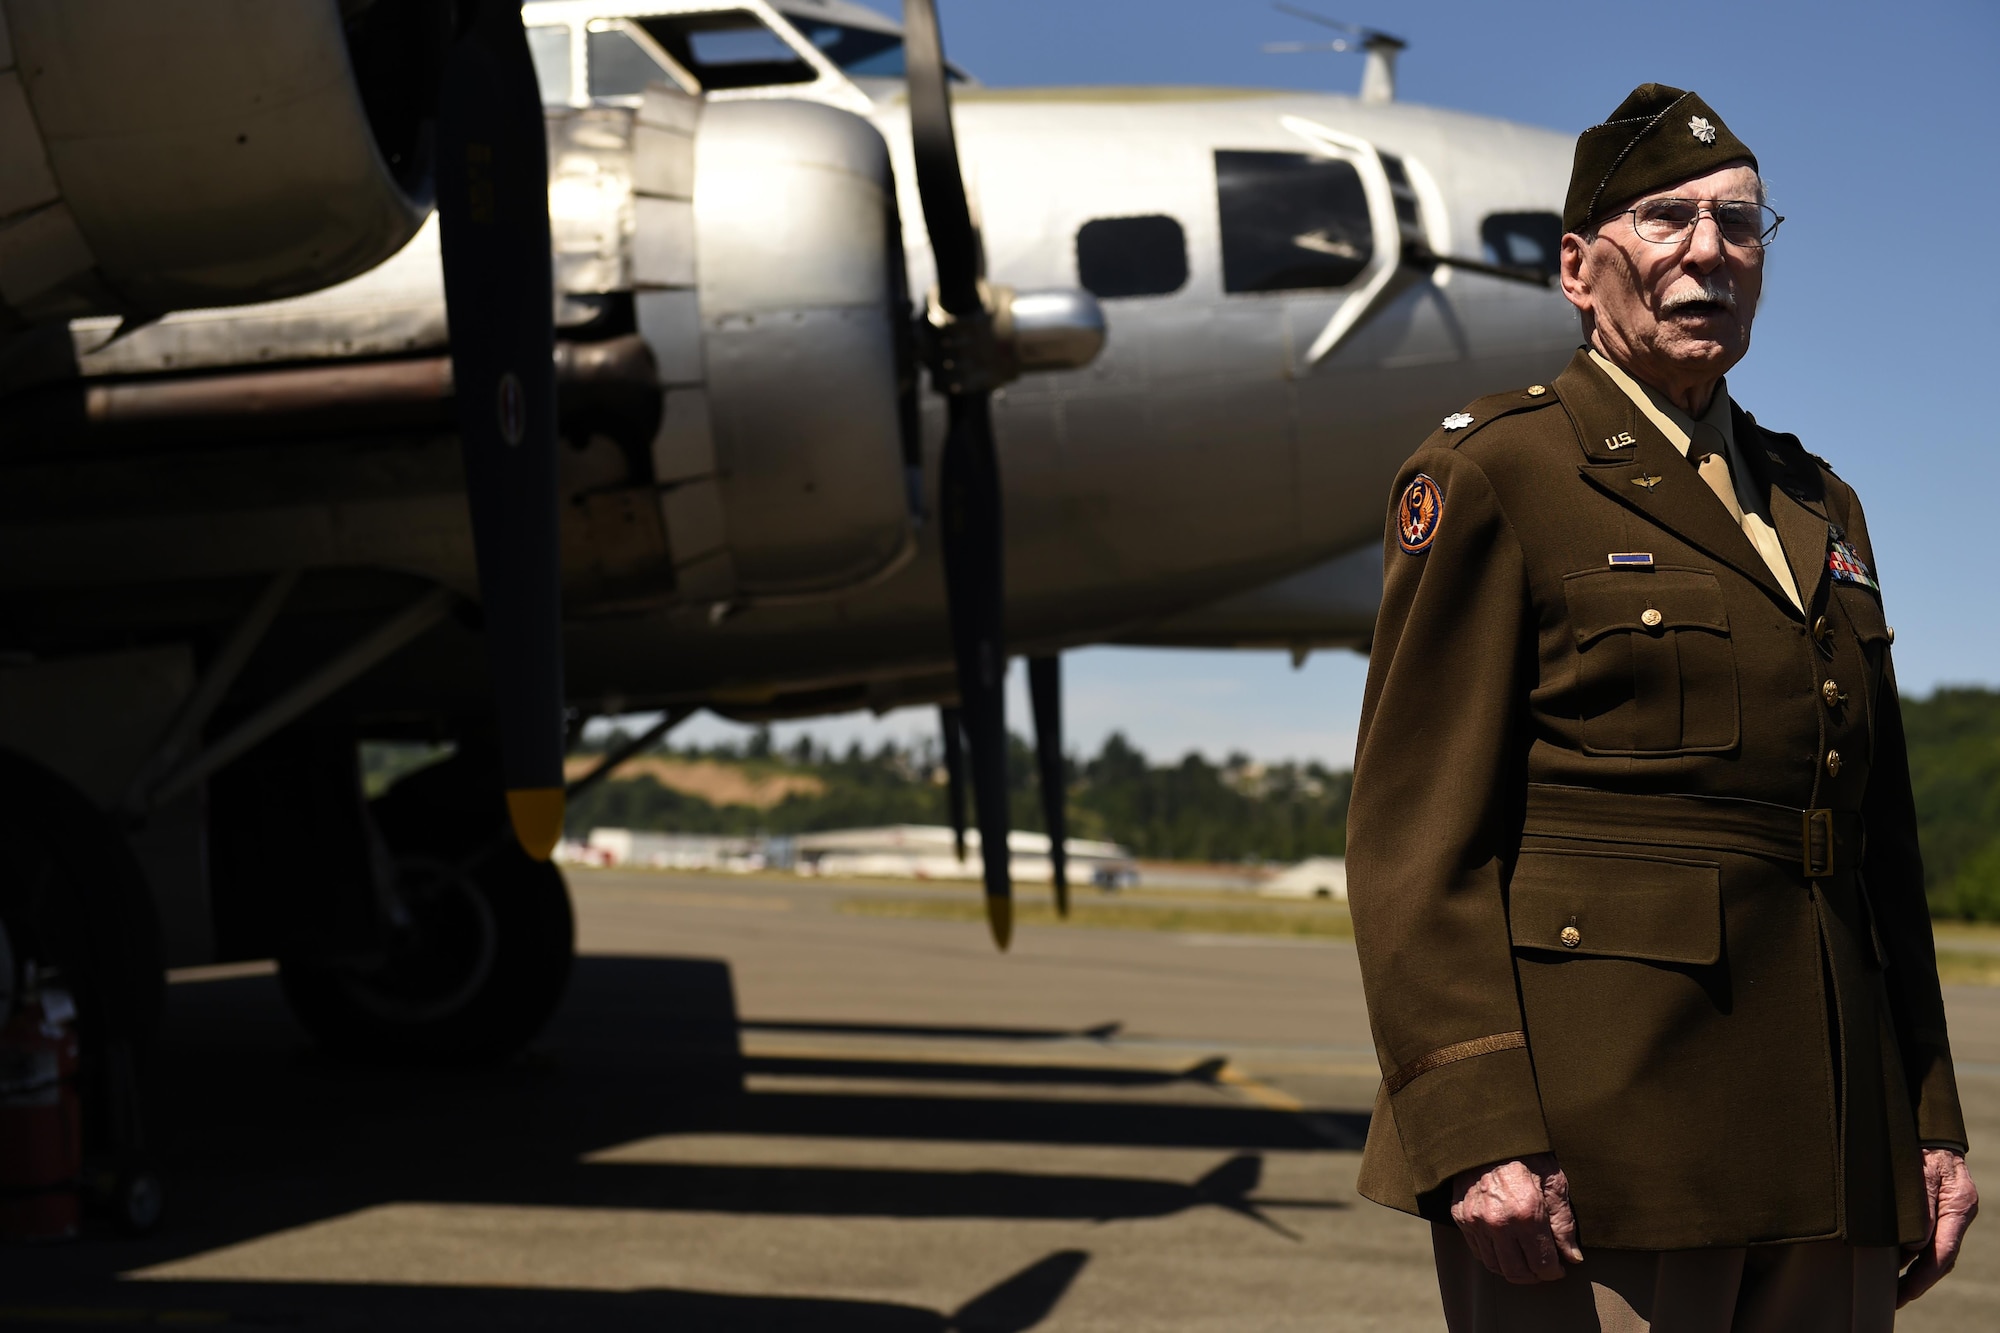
x=41 y=1121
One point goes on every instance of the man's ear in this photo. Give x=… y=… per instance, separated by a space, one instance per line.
x=1576 y=275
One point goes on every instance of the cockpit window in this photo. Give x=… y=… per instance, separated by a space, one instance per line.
x=1525 y=240
x=548 y=47
x=1291 y=221
x=619 y=66
x=861 y=52
x=730 y=48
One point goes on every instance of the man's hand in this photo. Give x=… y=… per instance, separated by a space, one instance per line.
x=1516 y=1217
x=1950 y=1202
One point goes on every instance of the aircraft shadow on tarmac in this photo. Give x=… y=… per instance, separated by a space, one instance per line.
x=261 y=1133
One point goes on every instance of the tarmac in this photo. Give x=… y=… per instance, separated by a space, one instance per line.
x=758 y=1112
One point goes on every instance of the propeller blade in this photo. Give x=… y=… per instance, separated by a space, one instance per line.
x=1045 y=694
x=968 y=365
x=493 y=208
x=941 y=186
x=952 y=725
x=969 y=529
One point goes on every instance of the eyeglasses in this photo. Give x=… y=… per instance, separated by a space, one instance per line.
x=1672 y=221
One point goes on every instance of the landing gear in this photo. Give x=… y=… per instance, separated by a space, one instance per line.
x=477 y=952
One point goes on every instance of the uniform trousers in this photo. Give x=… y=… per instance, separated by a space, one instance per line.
x=1810 y=1287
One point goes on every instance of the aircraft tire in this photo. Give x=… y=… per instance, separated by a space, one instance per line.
x=473 y=977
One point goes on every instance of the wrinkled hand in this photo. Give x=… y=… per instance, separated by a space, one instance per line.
x=1950 y=1202
x=1516 y=1217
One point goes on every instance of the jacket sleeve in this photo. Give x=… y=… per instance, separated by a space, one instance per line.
x=1438 y=789
x=1893 y=870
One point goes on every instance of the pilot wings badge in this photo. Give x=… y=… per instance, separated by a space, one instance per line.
x=1418 y=514
x=1847 y=566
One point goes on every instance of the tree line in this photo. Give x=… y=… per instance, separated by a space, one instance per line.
x=1239 y=810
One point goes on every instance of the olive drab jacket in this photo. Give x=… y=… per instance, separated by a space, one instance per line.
x=1632 y=853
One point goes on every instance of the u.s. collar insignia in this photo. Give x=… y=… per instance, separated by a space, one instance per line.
x=1418 y=514
x=1458 y=421
x=1847 y=566
x=1699 y=127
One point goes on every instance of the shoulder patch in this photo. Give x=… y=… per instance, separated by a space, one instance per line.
x=1419 y=514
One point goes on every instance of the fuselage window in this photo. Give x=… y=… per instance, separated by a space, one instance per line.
x=731 y=48
x=619 y=66
x=549 y=48
x=1144 y=256
x=1525 y=240
x=1290 y=221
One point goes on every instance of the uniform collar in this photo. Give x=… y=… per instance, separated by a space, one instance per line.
x=1678 y=426
x=1635 y=462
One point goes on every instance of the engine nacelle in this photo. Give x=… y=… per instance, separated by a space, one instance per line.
x=794 y=436
x=159 y=155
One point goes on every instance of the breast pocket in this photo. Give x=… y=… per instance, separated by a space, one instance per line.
x=1657 y=671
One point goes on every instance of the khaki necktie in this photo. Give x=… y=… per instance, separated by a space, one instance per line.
x=1714 y=469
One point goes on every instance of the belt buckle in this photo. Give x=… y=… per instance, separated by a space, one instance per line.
x=1816 y=844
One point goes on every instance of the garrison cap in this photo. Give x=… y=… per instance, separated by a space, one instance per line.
x=1657 y=137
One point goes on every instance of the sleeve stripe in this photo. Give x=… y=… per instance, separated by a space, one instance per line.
x=1445 y=1055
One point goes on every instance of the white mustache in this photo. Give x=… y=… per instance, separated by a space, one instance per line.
x=1708 y=292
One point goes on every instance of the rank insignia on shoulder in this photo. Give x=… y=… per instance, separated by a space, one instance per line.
x=1630 y=559
x=1846 y=565
x=1457 y=421
x=1418 y=514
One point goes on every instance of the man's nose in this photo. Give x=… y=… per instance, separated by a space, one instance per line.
x=1705 y=243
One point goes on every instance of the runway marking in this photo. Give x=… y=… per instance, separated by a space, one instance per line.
x=1263 y=1094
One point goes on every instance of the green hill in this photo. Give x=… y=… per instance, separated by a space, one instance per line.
x=1955 y=771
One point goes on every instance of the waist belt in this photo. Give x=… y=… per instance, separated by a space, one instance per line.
x=1817 y=842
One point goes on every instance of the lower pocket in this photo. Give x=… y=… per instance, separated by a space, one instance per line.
x=1617 y=905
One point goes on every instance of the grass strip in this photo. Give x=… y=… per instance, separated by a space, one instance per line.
x=1968 y=969
x=1325 y=922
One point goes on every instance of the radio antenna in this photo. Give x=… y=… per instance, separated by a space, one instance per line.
x=1378 y=77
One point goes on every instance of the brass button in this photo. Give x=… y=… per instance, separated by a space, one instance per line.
x=1892 y=634
x=1649 y=617
x=1822 y=629
x=1830 y=691
x=1537 y=390
x=1833 y=763
x=1571 y=937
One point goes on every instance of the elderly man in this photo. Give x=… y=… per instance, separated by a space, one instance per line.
x=1632 y=854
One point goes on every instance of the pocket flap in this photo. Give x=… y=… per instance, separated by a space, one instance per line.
x=1603 y=600
x=1864 y=612
x=1617 y=905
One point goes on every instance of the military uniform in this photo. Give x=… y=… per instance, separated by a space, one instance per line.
x=1632 y=852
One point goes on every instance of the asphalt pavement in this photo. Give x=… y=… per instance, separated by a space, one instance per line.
x=759 y=1112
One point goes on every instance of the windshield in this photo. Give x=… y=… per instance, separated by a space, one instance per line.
x=857 y=51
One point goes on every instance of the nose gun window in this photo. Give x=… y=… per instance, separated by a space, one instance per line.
x=730 y=48
x=549 y=49
x=619 y=66
x=1145 y=256
x=1290 y=221
x=1524 y=240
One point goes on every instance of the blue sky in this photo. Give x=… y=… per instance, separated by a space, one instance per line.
x=1876 y=128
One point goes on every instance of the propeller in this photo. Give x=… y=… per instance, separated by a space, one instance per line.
x=967 y=362
x=953 y=727
x=1045 y=697
x=493 y=209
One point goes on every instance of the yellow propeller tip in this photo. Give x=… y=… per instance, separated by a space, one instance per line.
x=537 y=816
x=1000 y=917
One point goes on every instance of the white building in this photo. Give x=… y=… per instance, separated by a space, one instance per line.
x=924 y=851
